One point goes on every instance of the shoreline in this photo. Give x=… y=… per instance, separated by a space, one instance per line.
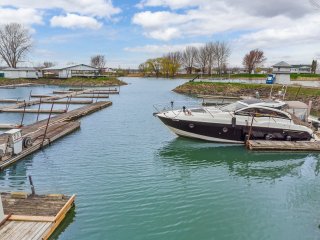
x=76 y=82
x=294 y=92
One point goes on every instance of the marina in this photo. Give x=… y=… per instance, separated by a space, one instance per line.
x=154 y=180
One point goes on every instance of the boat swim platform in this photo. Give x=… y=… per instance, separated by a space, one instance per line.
x=33 y=216
x=269 y=145
x=43 y=133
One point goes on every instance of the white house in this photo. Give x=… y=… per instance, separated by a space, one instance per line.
x=68 y=71
x=282 y=71
x=21 y=72
x=301 y=68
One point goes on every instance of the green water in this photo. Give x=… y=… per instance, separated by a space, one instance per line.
x=136 y=180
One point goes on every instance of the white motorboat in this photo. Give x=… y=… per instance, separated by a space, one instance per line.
x=236 y=122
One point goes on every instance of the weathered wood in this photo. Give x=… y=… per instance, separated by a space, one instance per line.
x=263 y=145
x=68 y=102
x=10 y=101
x=31 y=218
x=34 y=110
x=39 y=216
x=90 y=96
x=19 y=85
x=40 y=96
x=9 y=126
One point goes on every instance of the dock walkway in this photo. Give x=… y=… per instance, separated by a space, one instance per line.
x=33 y=216
x=264 y=145
x=58 y=127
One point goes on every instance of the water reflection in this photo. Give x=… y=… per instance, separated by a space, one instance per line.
x=15 y=178
x=70 y=217
x=182 y=152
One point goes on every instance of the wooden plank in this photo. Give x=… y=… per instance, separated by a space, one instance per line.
x=283 y=145
x=19 y=232
x=41 y=230
x=31 y=218
x=68 y=102
x=90 y=96
x=9 y=126
x=32 y=232
x=40 y=96
x=9 y=101
x=46 y=111
x=60 y=216
x=11 y=228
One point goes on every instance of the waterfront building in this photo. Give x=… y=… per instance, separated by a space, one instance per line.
x=20 y=72
x=68 y=71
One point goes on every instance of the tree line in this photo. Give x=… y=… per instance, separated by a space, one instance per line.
x=204 y=59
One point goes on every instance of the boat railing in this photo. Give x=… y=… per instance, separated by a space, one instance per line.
x=176 y=105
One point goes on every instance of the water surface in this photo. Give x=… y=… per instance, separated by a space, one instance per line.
x=136 y=180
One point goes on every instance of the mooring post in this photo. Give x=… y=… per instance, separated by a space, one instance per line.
x=97 y=97
x=45 y=131
x=33 y=191
x=30 y=94
x=24 y=110
x=70 y=98
x=2 y=217
x=39 y=109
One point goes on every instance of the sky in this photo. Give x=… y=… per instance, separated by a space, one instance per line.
x=129 y=32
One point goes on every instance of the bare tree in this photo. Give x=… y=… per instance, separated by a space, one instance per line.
x=48 y=64
x=253 y=59
x=143 y=68
x=202 y=59
x=15 y=43
x=188 y=58
x=221 y=52
x=175 y=62
x=98 y=61
x=154 y=65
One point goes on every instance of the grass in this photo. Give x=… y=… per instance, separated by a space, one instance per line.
x=237 y=89
x=306 y=76
x=75 y=81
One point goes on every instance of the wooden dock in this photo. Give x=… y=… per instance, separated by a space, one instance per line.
x=58 y=126
x=264 y=145
x=13 y=86
x=21 y=110
x=67 y=102
x=33 y=216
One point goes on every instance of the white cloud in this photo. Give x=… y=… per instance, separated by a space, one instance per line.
x=161 y=49
x=75 y=21
x=26 y=16
x=94 y=8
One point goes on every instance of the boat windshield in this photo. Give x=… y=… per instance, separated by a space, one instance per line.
x=232 y=107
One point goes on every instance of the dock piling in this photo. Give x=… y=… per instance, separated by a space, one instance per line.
x=33 y=192
x=46 y=129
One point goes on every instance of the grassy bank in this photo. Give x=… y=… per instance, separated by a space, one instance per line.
x=76 y=81
x=305 y=77
x=304 y=94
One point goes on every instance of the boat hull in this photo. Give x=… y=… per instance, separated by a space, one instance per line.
x=226 y=133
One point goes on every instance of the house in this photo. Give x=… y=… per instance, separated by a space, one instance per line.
x=301 y=68
x=282 y=71
x=20 y=72
x=68 y=71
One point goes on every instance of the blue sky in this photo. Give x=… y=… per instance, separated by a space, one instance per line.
x=129 y=32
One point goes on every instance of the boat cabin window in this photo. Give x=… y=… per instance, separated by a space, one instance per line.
x=232 y=107
x=261 y=112
x=198 y=110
